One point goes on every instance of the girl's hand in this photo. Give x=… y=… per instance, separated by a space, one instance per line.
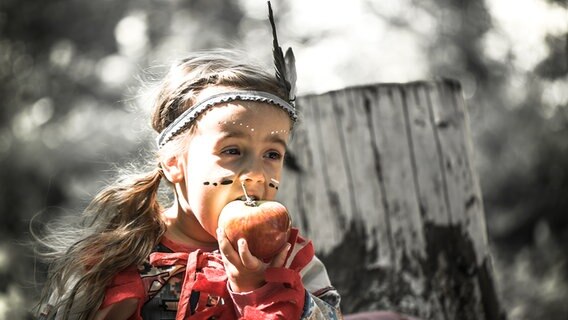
x=245 y=271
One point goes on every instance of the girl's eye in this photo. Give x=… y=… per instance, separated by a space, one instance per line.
x=231 y=151
x=274 y=155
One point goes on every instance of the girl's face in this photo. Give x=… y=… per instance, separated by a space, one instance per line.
x=233 y=143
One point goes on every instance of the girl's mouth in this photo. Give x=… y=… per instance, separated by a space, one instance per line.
x=251 y=197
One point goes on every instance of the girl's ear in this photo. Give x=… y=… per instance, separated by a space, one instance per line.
x=173 y=169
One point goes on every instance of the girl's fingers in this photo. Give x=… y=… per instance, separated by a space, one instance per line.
x=278 y=261
x=227 y=250
x=248 y=260
x=238 y=259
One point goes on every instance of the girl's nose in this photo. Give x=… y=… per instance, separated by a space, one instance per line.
x=253 y=172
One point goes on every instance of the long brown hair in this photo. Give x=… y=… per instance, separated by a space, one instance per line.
x=122 y=224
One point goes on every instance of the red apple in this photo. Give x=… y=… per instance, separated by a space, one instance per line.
x=265 y=225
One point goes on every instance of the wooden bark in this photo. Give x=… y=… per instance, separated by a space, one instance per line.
x=381 y=178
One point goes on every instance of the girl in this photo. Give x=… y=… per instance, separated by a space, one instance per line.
x=222 y=124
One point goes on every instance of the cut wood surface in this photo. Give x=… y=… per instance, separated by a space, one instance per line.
x=381 y=178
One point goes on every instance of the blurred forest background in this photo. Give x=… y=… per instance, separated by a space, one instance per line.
x=71 y=111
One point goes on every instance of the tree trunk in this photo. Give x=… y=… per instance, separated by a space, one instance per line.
x=381 y=178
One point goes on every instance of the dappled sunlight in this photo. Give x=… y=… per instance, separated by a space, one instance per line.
x=497 y=46
x=525 y=27
x=351 y=44
x=555 y=95
x=131 y=34
x=42 y=111
x=515 y=89
x=8 y=300
x=61 y=53
x=115 y=70
x=11 y=295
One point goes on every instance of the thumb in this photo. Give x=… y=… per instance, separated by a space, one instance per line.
x=247 y=259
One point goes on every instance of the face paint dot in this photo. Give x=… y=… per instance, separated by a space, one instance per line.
x=215 y=183
x=252 y=129
x=240 y=124
x=206 y=183
x=271 y=185
x=226 y=182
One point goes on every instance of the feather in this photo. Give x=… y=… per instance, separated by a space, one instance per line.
x=279 y=61
x=291 y=73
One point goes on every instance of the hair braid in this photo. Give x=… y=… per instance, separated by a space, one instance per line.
x=124 y=226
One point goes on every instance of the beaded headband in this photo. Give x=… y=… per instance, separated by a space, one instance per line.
x=285 y=75
x=192 y=113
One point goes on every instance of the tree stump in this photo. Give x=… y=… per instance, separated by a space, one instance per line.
x=381 y=178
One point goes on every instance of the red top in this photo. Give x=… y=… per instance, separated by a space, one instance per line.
x=200 y=274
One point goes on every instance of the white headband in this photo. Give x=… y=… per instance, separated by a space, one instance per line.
x=187 y=117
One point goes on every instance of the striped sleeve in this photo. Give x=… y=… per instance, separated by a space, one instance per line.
x=322 y=300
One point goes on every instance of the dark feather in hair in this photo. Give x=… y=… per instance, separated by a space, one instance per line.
x=291 y=73
x=279 y=61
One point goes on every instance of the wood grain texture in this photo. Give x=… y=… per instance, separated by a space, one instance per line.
x=387 y=191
